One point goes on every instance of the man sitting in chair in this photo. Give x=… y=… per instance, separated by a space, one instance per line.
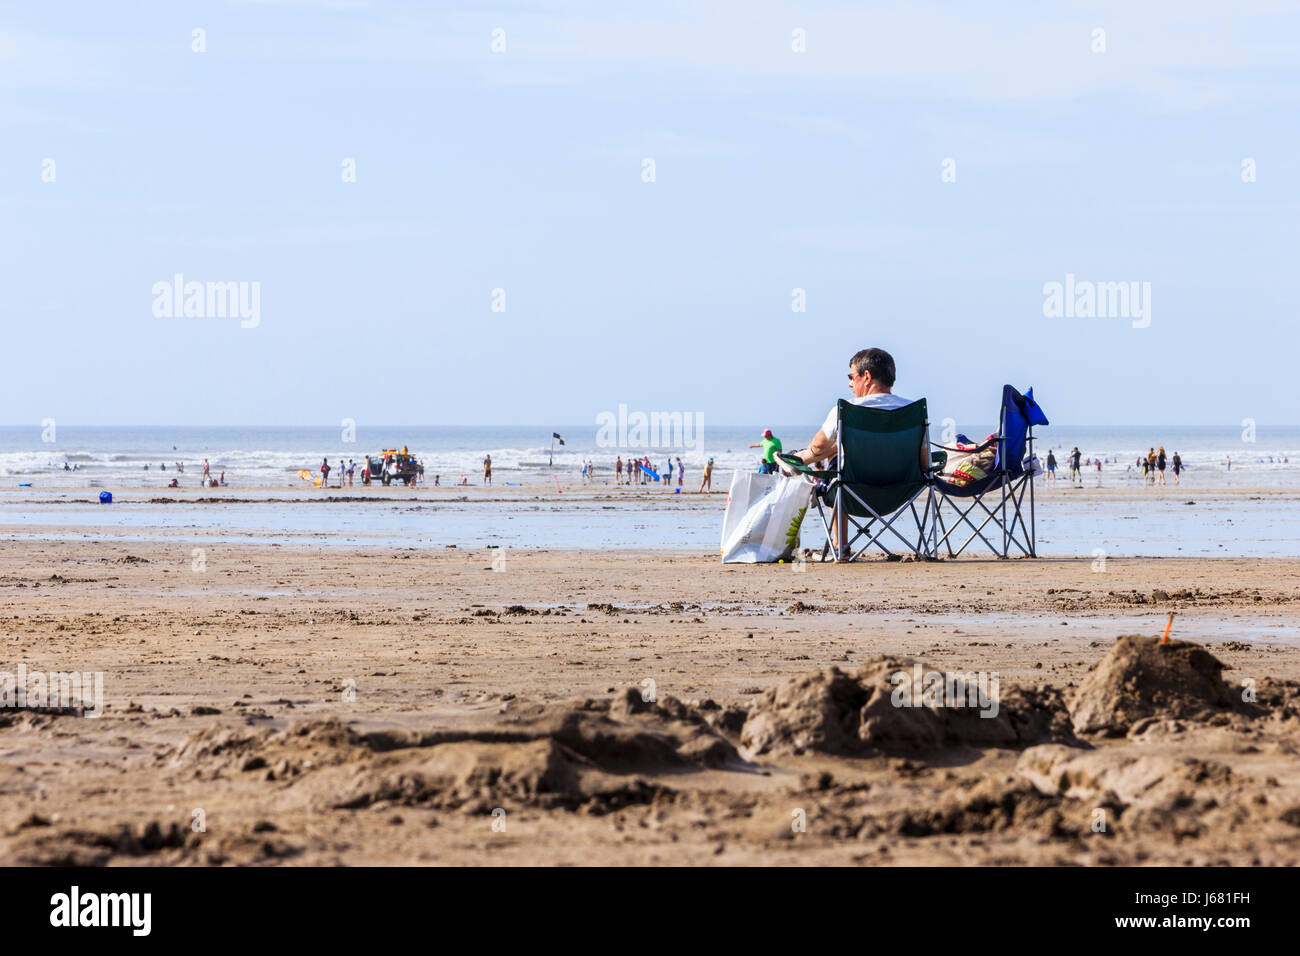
x=871 y=376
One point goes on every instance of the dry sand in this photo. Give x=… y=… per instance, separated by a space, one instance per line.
x=229 y=690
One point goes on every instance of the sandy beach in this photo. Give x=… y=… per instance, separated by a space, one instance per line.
x=287 y=703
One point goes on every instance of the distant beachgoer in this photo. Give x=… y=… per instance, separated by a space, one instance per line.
x=1229 y=463
x=146 y=466
x=207 y=470
x=1076 y=475
x=770 y=445
x=464 y=480
x=163 y=466
x=352 y=467
x=324 y=472
x=1051 y=465
x=618 y=471
x=667 y=473
x=223 y=479
x=341 y=470
x=1177 y=462
x=707 y=480
x=487 y=470
x=1161 y=462
x=681 y=472
x=173 y=483
x=66 y=467
x=437 y=481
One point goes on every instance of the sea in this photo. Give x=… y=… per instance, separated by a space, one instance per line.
x=40 y=500
x=257 y=456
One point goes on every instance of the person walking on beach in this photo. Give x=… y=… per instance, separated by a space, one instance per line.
x=770 y=445
x=667 y=473
x=1229 y=463
x=206 y=470
x=487 y=470
x=707 y=480
x=618 y=471
x=1161 y=461
x=681 y=472
x=1151 y=466
x=1051 y=465
x=341 y=470
x=324 y=472
x=1076 y=474
x=1178 y=467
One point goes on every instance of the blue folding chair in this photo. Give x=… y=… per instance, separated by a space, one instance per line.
x=1005 y=487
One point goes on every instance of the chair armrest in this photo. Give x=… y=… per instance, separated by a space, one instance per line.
x=796 y=464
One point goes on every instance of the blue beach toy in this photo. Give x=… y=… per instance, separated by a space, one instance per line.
x=106 y=497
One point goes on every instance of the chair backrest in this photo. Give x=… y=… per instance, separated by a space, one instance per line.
x=881 y=446
x=1018 y=415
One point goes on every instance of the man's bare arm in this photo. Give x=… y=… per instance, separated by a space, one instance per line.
x=820 y=447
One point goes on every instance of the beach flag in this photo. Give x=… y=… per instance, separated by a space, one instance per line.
x=556 y=435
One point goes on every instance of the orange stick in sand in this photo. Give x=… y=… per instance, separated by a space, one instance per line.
x=1168 y=626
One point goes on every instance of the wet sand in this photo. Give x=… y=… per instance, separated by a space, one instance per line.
x=378 y=705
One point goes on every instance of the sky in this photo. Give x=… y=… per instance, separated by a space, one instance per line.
x=914 y=175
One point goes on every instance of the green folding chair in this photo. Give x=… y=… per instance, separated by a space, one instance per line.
x=877 y=479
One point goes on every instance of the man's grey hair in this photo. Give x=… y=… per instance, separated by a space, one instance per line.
x=876 y=361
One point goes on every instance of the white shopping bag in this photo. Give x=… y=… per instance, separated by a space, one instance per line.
x=764 y=514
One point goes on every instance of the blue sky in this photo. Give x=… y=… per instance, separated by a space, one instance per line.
x=522 y=170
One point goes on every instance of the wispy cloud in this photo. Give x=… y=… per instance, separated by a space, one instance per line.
x=667 y=144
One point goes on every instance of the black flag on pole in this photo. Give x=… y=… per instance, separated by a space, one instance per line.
x=557 y=435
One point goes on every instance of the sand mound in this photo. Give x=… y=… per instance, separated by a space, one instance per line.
x=1126 y=777
x=478 y=777
x=1140 y=677
x=991 y=806
x=278 y=754
x=548 y=756
x=837 y=713
x=545 y=756
x=153 y=843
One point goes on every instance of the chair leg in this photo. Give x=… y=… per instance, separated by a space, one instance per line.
x=841 y=527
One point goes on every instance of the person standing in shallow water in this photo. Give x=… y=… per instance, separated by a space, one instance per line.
x=1161 y=463
x=1177 y=462
x=487 y=470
